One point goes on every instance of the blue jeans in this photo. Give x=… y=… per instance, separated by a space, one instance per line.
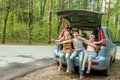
x=79 y=53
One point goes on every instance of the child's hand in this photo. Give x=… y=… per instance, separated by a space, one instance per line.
x=56 y=41
x=104 y=40
x=97 y=47
x=78 y=37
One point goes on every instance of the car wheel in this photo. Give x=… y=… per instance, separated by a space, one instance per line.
x=106 y=72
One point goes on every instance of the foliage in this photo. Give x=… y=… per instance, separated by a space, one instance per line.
x=18 y=18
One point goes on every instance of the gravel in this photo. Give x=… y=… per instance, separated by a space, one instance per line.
x=51 y=73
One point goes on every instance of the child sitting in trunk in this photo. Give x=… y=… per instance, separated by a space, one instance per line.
x=66 y=51
x=90 y=53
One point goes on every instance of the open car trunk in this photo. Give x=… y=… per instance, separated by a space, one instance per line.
x=83 y=19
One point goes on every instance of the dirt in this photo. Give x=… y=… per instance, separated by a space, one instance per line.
x=51 y=73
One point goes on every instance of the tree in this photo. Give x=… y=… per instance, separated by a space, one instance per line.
x=61 y=7
x=50 y=21
x=30 y=21
x=85 y=3
x=42 y=9
x=5 y=20
x=117 y=27
x=108 y=13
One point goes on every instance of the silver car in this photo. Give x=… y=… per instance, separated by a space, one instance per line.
x=88 y=21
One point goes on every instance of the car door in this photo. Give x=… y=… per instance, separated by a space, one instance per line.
x=112 y=47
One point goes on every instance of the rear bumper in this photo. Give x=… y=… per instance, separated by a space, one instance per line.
x=103 y=63
x=99 y=63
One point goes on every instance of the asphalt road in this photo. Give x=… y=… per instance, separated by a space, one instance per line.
x=118 y=49
x=16 y=60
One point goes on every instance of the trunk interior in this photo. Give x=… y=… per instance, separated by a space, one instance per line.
x=85 y=34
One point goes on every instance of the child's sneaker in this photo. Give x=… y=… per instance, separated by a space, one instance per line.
x=68 y=70
x=81 y=78
x=83 y=68
x=60 y=68
x=71 y=71
x=88 y=71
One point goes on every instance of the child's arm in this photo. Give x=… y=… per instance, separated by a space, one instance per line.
x=93 y=45
x=101 y=41
x=66 y=41
x=87 y=42
x=59 y=40
x=83 y=39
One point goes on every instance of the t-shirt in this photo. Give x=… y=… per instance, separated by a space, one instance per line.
x=67 y=47
x=91 y=48
x=78 y=44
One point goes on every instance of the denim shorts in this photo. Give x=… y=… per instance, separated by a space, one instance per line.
x=89 y=55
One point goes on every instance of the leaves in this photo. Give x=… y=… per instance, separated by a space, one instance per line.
x=18 y=18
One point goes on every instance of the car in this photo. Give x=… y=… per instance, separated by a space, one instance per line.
x=88 y=21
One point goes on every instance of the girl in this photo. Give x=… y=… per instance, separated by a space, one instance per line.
x=90 y=53
x=66 y=51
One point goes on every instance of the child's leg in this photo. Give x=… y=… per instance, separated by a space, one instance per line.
x=72 y=57
x=85 y=60
x=83 y=65
x=89 y=64
x=60 y=61
x=67 y=57
x=89 y=67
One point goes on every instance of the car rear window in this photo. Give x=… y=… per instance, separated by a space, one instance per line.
x=89 y=19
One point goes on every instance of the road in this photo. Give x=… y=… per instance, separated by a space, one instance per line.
x=17 y=60
x=118 y=49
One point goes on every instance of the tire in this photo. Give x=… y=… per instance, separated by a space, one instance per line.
x=106 y=72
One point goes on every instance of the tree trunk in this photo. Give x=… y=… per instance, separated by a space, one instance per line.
x=42 y=10
x=50 y=21
x=12 y=15
x=85 y=3
x=18 y=12
x=5 y=21
x=58 y=28
x=116 y=26
x=93 y=5
x=30 y=22
x=101 y=5
x=70 y=5
x=108 y=15
x=59 y=19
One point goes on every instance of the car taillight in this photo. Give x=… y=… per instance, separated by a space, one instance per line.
x=102 y=36
x=57 y=56
x=95 y=63
x=103 y=44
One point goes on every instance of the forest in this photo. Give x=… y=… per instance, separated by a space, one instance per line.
x=34 y=21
